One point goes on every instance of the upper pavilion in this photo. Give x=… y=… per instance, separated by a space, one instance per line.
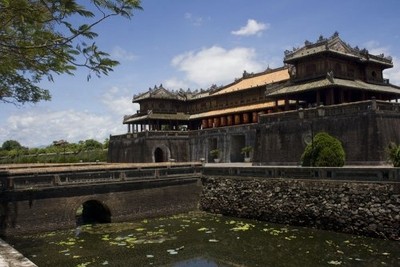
x=330 y=72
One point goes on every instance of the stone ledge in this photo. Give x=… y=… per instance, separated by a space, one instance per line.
x=9 y=257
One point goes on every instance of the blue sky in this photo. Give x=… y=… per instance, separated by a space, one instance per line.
x=193 y=44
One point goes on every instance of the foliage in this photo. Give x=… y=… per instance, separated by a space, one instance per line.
x=394 y=154
x=10 y=145
x=91 y=144
x=324 y=151
x=246 y=150
x=58 y=152
x=214 y=153
x=42 y=38
x=106 y=143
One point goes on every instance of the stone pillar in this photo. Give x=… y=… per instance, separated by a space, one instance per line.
x=129 y=128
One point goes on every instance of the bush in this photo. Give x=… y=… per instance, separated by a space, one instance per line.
x=394 y=154
x=324 y=151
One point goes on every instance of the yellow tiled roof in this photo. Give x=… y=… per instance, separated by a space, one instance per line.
x=236 y=109
x=258 y=80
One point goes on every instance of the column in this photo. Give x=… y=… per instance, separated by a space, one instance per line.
x=255 y=117
x=246 y=118
x=286 y=104
x=223 y=121
x=230 y=120
x=210 y=123
x=216 y=122
x=237 y=119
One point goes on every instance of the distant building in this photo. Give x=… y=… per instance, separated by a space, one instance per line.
x=323 y=86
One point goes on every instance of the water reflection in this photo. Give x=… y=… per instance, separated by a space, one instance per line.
x=202 y=239
x=198 y=262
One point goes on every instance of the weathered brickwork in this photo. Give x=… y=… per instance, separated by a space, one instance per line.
x=141 y=201
x=363 y=208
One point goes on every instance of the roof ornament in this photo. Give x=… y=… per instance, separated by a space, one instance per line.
x=335 y=34
x=321 y=39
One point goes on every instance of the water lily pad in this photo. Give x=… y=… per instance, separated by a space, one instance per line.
x=333 y=262
x=172 y=251
x=83 y=264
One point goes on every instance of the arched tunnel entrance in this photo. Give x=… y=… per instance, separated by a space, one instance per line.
x=93 y=212
x=158 y=155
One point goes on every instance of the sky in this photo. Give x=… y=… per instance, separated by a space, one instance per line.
x=193 y=44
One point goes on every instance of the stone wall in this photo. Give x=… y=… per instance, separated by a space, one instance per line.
x=52 y=209
x=363 y=208
x=364 y=128
x=229 y=140
x=140 y=147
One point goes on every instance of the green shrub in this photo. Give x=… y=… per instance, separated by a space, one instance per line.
x=324 y=151
x=394 y=154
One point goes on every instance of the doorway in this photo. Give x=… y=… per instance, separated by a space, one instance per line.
x=158 y=155
x=237 y=143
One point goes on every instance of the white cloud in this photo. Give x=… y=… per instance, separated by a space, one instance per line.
x=119 y=102
x=41 y=127
x=37 y=126
x=252 y=28
x=175 y=84
x=216 y=65
x=119 y=53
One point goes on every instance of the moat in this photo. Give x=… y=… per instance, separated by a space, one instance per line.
x=203 y=239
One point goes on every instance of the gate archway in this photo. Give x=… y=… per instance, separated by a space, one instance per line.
x=159 y=155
